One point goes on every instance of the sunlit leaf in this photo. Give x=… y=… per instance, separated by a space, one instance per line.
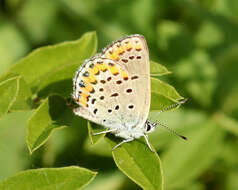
x=59 y=81
x=162 y=95
x=73 y=178
x=157 y=69
x=138 y=162
x=8 y=93
x=38 y=65
x=23 y=98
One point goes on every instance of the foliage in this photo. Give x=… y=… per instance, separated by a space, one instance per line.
x=193 y=45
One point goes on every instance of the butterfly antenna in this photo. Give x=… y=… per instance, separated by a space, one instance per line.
x=171 y=130
x=173 y=105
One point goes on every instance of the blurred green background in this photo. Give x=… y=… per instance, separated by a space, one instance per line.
x=197 y=40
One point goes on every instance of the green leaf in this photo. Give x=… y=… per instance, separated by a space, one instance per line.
x=157 y=69
x=138 y=162
x=52 y=114
x=42 y=62
x=73 y=178
x=185 y=161
x=8 y=92
x=14 y=94
x=164 y=89
x=23 y=100
x=162 y=95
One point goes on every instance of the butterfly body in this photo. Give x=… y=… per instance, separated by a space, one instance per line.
x=113 y=88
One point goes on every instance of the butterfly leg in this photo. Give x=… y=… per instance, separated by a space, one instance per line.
x=124 y=141
x=148 y=143
x=102 y=132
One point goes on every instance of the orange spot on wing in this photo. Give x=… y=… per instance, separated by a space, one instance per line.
x=113 y=69
x=91 y=78
x=124 y=74
x=114 y=56
x=138 y=47
x=83 y=94
x=93 y=70
x=120 y=50
x=102 y=66
x=128 y=46
x=83 y=101
x=88 y=86
x=84 y=90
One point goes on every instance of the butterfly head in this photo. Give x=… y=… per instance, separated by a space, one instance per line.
x=149 y=126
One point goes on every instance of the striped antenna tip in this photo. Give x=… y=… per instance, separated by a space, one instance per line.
x=183 y=101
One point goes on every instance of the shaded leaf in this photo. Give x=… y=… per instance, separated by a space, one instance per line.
x=41 y=62
x=138 y=162
x=59 y=81
x=100 y=148
x=95 y=128
x=107 y=181
x=52 y=114
x=73 y=178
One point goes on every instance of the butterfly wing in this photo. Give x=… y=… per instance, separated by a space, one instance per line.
x=113 y=88
x=96 y=90
x=132 y=53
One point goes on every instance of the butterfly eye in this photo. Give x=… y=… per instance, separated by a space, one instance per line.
x=148 y=128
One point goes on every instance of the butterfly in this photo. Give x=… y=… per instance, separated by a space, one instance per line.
x=112 y=89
